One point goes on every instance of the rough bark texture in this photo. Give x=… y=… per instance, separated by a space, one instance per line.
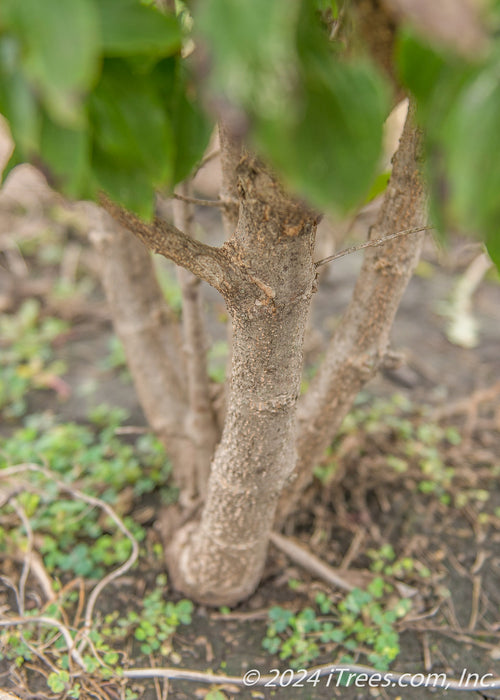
x=220 y=560
x=206 y=262
x=150 y=336
x=231 y=153
x=201 y=423
x=361 y=342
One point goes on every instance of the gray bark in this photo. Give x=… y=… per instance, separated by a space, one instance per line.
x=221 y=559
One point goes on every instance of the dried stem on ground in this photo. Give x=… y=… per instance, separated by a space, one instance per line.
x=345 y=580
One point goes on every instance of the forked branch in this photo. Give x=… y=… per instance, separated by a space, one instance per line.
x=162 y=237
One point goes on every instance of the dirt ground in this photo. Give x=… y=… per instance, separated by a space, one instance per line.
x=454 y=623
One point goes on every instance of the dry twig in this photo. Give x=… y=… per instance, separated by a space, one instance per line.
x=371 y=244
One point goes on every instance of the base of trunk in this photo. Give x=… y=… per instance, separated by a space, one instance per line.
x=191 y=572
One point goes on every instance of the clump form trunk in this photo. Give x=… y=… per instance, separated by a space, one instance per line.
x=266 y=274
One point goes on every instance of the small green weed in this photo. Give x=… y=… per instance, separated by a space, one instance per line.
x=154 y=625
x=116 y=359
x=217 y=361
x=360 y=622
x=384 y=561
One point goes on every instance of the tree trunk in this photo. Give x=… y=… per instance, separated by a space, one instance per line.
x=220 y=560
x=150 y=336
x=360 y=344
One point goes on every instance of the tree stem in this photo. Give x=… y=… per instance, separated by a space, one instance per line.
x=201 y=423
x=361 y=341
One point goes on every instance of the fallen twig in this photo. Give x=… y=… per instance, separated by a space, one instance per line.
x=314 y=565
x=27 y=556
x=400 y=679
x=476 y=597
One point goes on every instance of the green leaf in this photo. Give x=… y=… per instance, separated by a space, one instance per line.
x=130 y=28
x=330 y=154
x=376 y=587
x=17 y=100
x=65 y=158
x=131 y=123
x=493 y=246
x=379 y=185
x=473 y=167
x=459 y=108
x=420 y=65
x=57 y=681
x=192 y=132
x=191 y=126
x=318 y=121
x=129 y=187
x=251 y=48
x=60 y=44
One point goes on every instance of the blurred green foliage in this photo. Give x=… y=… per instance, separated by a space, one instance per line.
x=27 y=359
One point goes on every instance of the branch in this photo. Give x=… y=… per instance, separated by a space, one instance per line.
x=161 y=237
x=361 y=341
x=371 y=244
x=231 y=148
x=149 y=330
x=201 y=421
x=200 y=202
x=206 y=159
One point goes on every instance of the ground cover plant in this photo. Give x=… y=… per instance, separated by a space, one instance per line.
x=117 y=103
